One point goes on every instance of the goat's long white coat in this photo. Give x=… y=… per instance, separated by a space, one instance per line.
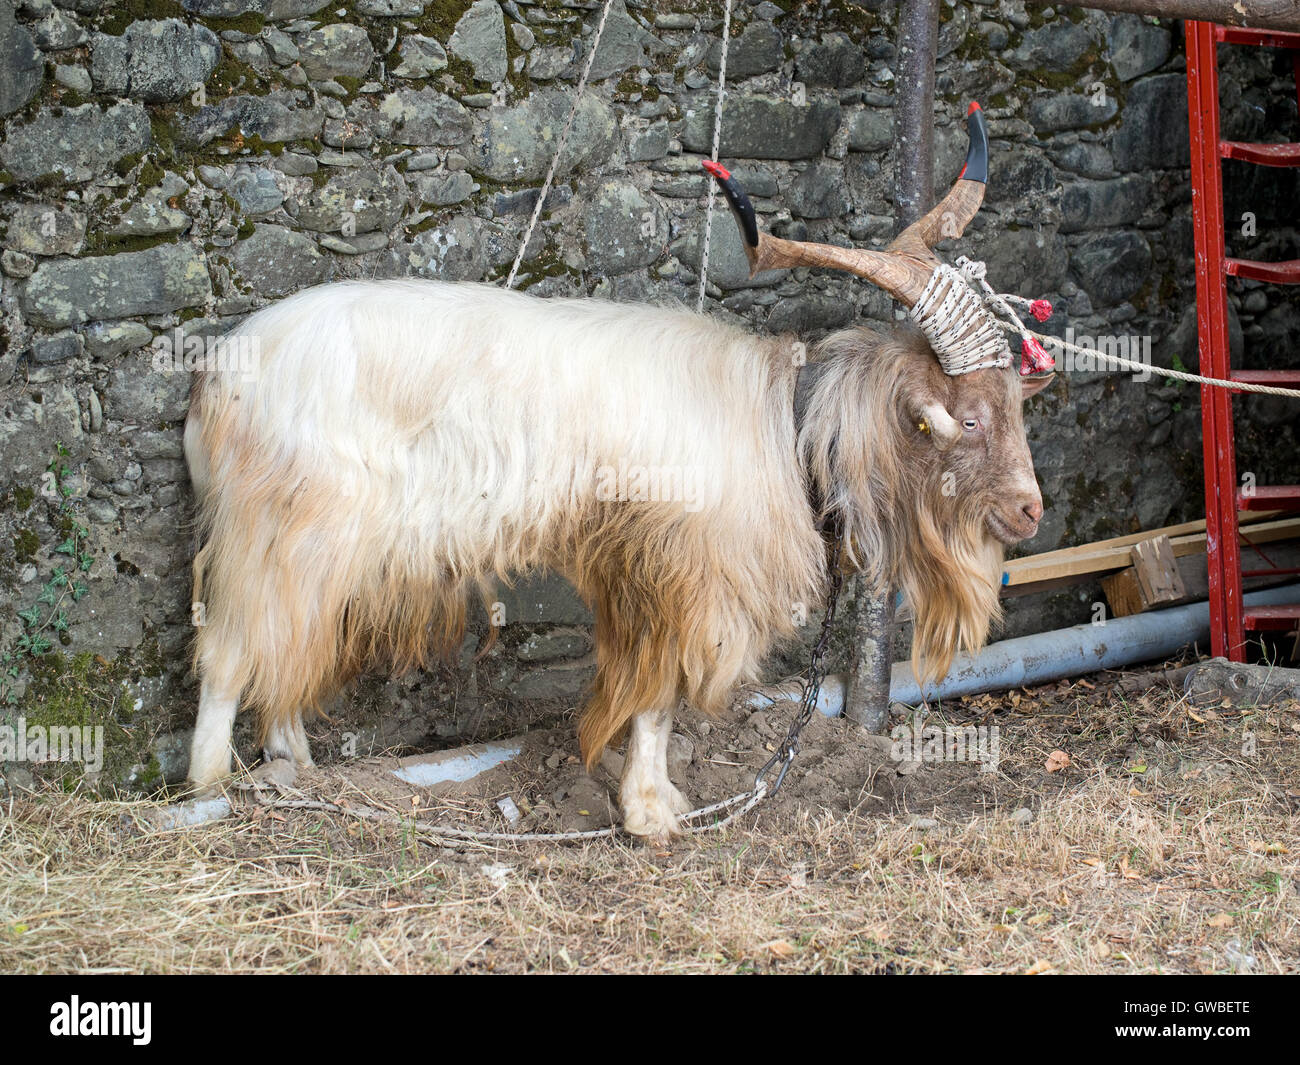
x=398 y=441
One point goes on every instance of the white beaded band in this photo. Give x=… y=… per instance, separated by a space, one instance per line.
x=958 y=325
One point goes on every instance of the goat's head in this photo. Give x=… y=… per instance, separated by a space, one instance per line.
x=918 y=443
x=962 y=410
x=968 y=433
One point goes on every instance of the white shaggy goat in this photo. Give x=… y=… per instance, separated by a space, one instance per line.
x=401 y=441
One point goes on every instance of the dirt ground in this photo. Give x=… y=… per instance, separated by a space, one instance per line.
x=1168 y=843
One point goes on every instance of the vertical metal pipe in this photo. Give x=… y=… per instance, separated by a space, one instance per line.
x=914 y=110
x=870 y=657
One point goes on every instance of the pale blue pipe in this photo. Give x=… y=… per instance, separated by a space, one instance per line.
x=1047 y=656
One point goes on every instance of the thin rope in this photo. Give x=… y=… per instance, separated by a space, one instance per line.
x=717 y=138
x=564 y=139
x=1178 y=375
x=445 y=835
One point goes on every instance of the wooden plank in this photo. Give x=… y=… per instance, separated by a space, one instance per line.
x=1124 y=598
x=1094 y=560
x=1157 y=572
x=1264 y=532
x=1244 y=517
x=1153 y=579
x=1123 y=593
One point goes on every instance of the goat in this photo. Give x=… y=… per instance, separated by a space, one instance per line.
x=400 y=443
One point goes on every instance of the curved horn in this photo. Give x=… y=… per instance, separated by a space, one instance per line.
x=898 y=275
x=954 y=212
x=904 y=268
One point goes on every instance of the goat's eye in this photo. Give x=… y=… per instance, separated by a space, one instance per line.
x=970 y=425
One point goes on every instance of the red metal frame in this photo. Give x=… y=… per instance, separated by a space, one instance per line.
x=1229 y=619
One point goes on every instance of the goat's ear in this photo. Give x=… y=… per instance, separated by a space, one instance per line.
x=1031 y=386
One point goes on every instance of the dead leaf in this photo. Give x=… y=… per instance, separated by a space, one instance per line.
x=780 y=948
x=1038 y=968
x=1056 y=761
x=1126 y=872
x=1221 y=920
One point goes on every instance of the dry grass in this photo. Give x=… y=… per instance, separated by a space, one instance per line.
x=1184 y=861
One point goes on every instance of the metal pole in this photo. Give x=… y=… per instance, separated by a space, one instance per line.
x=914 y=110
x=1256 y=14
x=867 y=698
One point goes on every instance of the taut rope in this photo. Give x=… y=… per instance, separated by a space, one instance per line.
x=717 y=138
x=959 y=320
x=564 y=139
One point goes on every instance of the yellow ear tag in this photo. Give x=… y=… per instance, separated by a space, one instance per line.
x=924 y=426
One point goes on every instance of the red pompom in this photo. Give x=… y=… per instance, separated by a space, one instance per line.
x=1033 y=358
x=1041 y=309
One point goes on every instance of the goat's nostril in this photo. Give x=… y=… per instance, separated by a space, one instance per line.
x=1033 y=511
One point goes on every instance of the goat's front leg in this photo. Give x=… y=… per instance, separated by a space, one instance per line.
x=651 y=805
x=210 y=750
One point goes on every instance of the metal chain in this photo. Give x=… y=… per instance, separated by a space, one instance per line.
x=785 y=754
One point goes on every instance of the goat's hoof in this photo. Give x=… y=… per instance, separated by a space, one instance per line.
x=200 y=792
x=655 y=817
x=280 y=772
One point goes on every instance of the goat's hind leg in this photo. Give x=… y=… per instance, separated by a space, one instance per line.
x=286 y=738
x=652 y=806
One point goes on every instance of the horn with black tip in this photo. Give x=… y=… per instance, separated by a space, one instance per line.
x=904 y=268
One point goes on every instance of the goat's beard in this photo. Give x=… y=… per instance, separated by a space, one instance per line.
x=950 y=575
x=948 y=567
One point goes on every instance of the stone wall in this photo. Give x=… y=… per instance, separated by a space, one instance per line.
x=165 y=167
